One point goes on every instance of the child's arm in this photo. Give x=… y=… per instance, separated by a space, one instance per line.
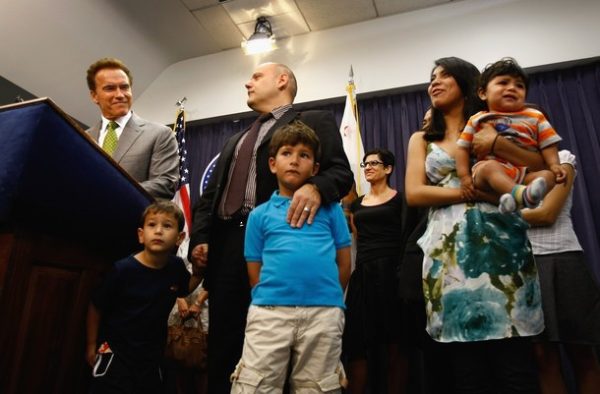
x=463 y=171
x=462 y=162
x=182 y=307
x=202 y=296
x=196 y=306
x=344 y=265
x=254 y=272
x=550 y=154
x=92 y=324
x=196 y=278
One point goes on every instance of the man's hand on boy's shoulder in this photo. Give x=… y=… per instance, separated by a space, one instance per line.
x=305 y=204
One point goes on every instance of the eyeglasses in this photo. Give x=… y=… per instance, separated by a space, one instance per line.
x=371 y=163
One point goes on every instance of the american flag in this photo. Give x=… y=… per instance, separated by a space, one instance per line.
x=182 y=196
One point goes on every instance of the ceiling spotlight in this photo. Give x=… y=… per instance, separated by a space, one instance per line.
x=261 y=40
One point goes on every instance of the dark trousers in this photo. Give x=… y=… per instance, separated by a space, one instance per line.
x=229 y=295
x=116 y=375
x=499 y=366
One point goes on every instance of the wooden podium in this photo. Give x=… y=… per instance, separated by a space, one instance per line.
x=67 y=211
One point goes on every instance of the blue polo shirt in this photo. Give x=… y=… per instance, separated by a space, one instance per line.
x=298 y=264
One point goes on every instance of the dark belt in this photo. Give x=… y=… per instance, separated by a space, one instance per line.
x=237 y=219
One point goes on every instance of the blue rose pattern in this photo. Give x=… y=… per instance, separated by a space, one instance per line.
x=492 y=242
x=479 y=277
x=475 y=315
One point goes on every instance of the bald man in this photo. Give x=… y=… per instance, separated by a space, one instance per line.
x=218 y=228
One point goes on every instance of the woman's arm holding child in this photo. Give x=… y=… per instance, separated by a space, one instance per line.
x=487 y=140
x=550 y=154
x=463 y=171
x=547 y=212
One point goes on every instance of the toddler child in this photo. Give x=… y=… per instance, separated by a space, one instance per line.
x=503 y=86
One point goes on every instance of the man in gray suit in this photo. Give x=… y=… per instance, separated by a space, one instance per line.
x=146 y=150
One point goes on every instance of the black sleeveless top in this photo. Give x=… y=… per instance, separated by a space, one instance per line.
x=379 y=228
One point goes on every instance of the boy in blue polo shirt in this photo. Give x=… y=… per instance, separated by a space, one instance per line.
x=298 y=277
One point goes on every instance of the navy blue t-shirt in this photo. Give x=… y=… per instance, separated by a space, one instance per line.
x=134 y=302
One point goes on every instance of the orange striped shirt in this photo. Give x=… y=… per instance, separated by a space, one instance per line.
x=528 y=129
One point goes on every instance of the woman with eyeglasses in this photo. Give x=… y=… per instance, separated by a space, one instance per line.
x=480 y=282
x=372 y=318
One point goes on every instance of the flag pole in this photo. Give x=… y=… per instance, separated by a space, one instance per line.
x=358 y=142
x=182 y=195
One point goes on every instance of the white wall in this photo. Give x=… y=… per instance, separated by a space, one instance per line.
x=386 y=53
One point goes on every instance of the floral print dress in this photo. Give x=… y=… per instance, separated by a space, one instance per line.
x=479 y=277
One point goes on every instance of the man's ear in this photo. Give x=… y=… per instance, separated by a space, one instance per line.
x=282 y=81
x=315 y=169
x=93 y=96
x=272 y=165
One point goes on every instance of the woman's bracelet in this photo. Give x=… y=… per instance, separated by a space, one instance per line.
x=494 y=143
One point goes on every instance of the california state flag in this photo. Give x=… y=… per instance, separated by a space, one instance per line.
x=351 y=138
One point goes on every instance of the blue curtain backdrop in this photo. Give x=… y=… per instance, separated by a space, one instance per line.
x=570 y=96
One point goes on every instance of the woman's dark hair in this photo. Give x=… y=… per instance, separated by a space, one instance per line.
x=386 y=157
x=466 y=76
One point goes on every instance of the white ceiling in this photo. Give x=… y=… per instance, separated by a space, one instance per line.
x=46 y=46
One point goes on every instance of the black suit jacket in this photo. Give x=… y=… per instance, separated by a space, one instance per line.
x=334 y=179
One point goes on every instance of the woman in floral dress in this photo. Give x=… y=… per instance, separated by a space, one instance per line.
x=479 y=278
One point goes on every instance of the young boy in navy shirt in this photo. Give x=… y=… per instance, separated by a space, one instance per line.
x=127 y=317
x=298 y=276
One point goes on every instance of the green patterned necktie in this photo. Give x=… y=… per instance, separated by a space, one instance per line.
x=110 y=140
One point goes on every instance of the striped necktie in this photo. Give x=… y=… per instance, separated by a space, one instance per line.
x=237 y=184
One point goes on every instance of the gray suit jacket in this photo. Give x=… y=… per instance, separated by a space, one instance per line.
x=148 y=152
